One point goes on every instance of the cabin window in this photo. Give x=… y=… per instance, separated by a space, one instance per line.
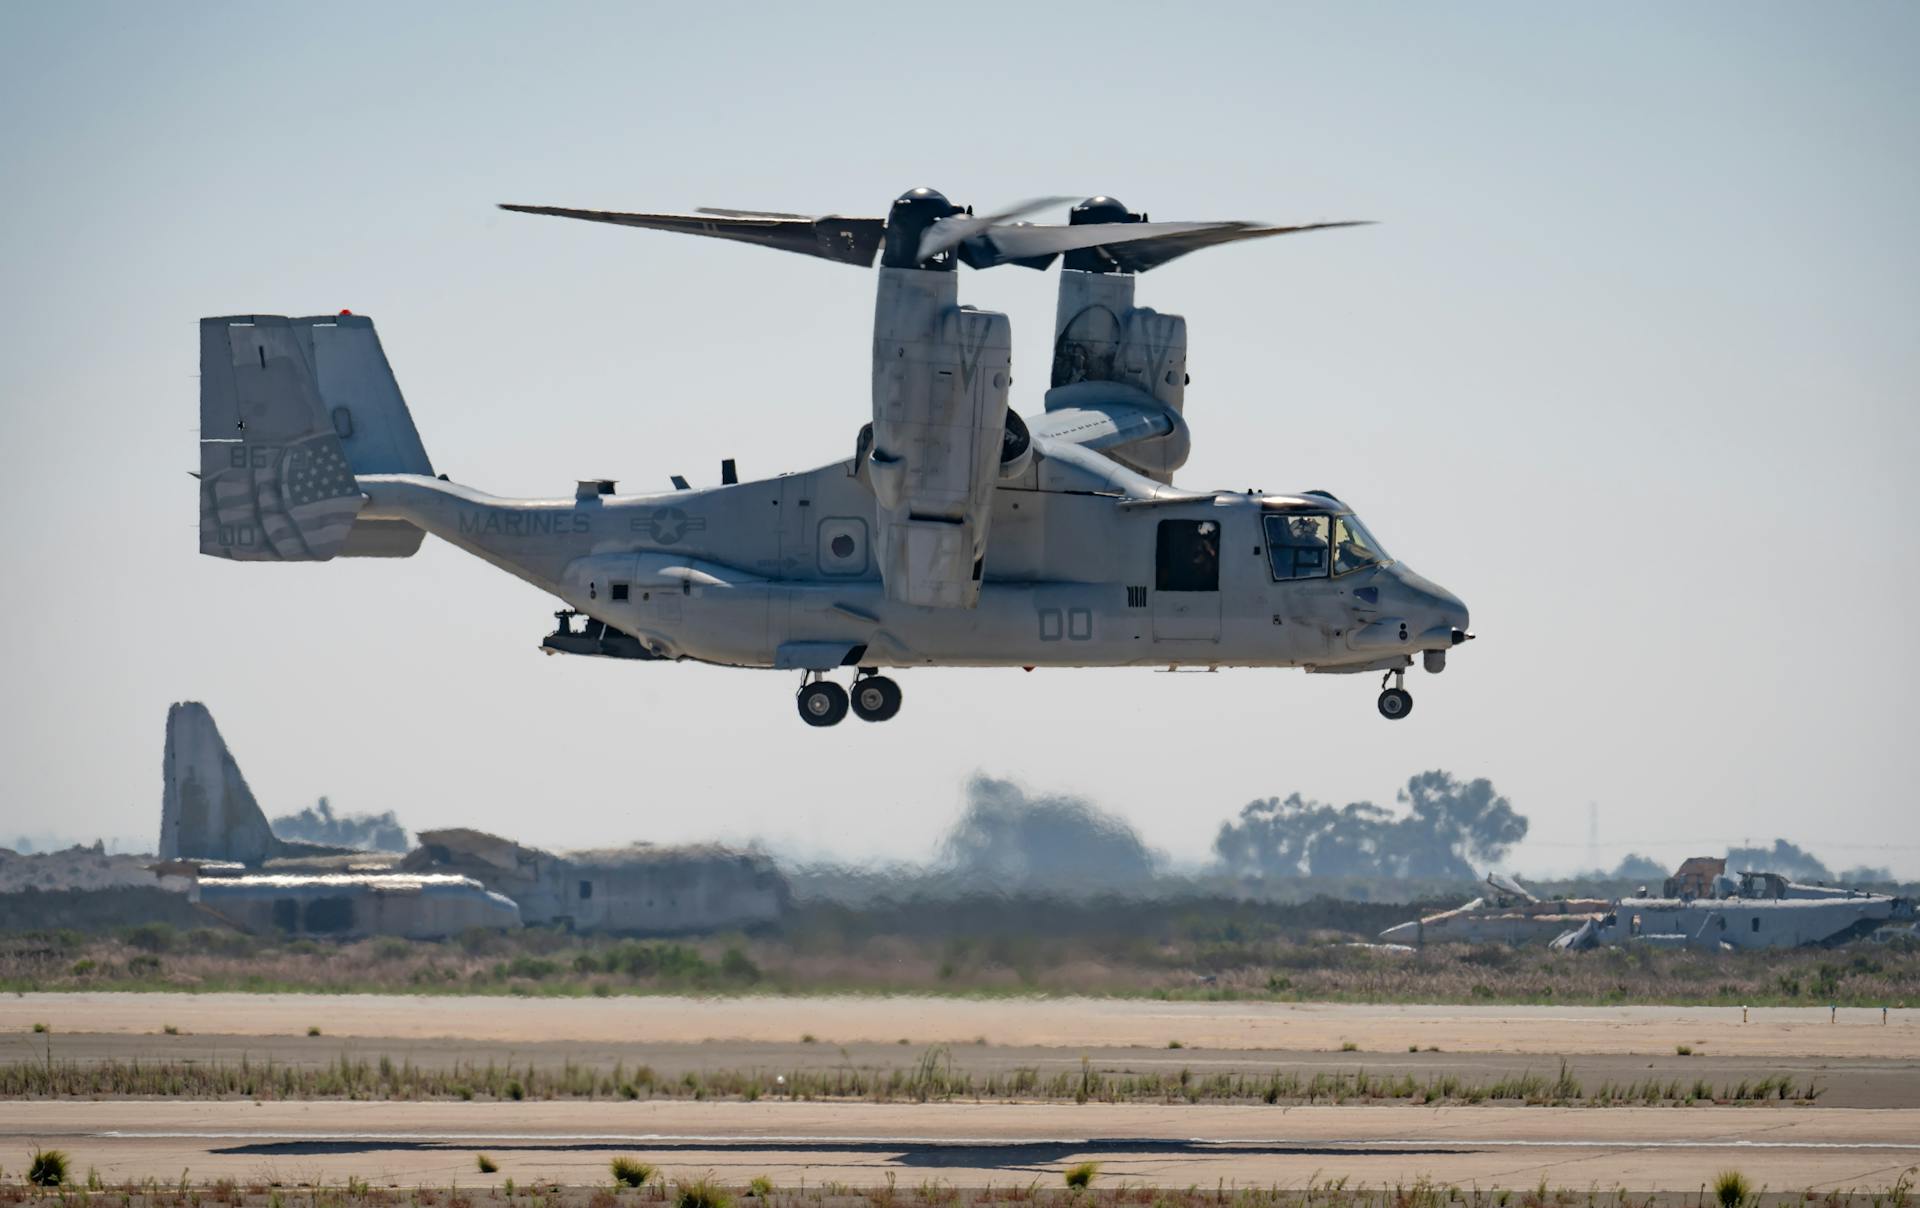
x=620 y=591
x=1756 y=922
x=1297 y=546
x=586 y=890
x=1187 y=557
x=1354 y=547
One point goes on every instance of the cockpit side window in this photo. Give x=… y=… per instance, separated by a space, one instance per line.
x=1297 y=546
x=1354 y=547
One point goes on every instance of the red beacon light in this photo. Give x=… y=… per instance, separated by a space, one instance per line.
x=345 y=312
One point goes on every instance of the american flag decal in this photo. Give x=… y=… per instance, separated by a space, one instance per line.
x=266 y=503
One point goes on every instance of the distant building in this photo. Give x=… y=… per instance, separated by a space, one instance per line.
x=640 y=889
x=350 y=905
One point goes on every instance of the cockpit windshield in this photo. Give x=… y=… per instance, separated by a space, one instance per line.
x=1308 y=545
x=1354 y=547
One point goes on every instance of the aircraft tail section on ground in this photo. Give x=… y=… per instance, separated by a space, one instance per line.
x=207 y=811
x=291 y=412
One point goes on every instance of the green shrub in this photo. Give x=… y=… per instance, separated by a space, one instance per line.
x=153 y=937
x=760 y=1186
x=701 y=1194
x=1731 y=1189
x=486 y=1164
x=735 y=966
x=144 y=965
x=313 y=1029
x=1683 y=1050
x=39 y=1029
x=47 y=1168
x=1348 y=1046
x=1080 y=1177
x=631 y=1172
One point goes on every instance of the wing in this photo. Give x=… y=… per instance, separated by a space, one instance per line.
x=830 y=237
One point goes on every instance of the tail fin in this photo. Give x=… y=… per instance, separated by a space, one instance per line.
x=207 y=811
x=291 y=410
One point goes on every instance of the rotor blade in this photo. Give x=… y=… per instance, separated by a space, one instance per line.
x=832 y=237
x=725 y=213
x=1132 y=247
x=951 y=232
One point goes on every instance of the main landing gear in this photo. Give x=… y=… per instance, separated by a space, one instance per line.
x=1395 y=702
x=824 y=703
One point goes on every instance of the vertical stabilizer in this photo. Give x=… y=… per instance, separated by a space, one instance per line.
x=207 y=811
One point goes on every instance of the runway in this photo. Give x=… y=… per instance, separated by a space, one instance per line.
x=860 y=1144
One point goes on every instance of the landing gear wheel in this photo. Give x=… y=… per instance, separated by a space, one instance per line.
x=822 y=703
x=1395 y=703
x=875 y=698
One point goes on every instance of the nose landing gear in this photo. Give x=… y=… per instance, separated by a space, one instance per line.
x=1395 y=702
x=825 y=703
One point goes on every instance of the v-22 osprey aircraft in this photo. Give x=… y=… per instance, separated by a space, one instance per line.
x=958 y=533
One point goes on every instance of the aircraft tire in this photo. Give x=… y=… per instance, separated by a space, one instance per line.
x=1395 y=703
x=875 y=698
x=823 y=703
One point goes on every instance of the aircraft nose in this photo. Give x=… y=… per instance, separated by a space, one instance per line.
x=1445 y=607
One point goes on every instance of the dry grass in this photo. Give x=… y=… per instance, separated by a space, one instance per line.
x=1180 y=950
x=935 y=1076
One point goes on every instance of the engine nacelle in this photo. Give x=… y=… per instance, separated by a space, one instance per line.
x=941 y=372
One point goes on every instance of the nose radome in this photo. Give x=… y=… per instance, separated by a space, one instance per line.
x=1452 y=609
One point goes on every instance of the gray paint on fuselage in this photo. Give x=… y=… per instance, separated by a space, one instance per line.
x=729 y=574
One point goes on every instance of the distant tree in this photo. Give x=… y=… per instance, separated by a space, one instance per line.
x=1865 y=874
x=1788 y=859
x=1014 y=841
x=1450 y=827
x=1636 y=867
x=366 y=832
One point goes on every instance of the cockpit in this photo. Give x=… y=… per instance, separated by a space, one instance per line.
x=1316 y=545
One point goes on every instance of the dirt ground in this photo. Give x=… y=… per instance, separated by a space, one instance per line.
x=1873 y=1082
x=1071 y=1023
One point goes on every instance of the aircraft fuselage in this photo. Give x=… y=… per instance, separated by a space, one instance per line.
x=781 y=573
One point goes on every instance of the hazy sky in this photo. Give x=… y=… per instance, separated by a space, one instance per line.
x=1631 y=364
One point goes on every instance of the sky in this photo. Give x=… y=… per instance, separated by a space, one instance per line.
x=1630 y=363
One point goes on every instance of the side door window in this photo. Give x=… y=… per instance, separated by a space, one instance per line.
x=1187 y=556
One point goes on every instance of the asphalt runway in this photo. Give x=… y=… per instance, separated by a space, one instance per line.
x=408 y=1144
